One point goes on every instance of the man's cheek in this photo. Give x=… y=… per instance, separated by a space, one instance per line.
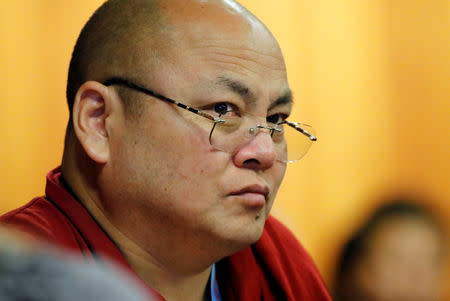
x=201 y=171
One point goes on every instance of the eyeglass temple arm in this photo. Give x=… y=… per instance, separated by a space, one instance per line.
x=123 y=82
x=298 y=128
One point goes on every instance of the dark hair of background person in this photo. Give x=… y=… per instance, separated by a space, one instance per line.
x=34 y=271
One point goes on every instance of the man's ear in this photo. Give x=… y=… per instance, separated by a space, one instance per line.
x=91 y=108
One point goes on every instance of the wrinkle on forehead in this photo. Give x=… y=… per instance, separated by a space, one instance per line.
x=241 y=55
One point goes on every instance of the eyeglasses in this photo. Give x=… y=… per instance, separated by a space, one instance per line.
x=232 y=128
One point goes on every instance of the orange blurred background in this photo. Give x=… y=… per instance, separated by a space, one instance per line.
x=373 y=78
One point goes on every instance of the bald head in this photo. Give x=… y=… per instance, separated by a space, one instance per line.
x=130 y=38
x=112 y=43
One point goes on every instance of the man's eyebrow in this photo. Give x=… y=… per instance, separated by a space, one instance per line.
x=285 y=99
x=237 y=87
x=242 y=90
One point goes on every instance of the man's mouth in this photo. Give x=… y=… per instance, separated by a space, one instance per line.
x=254 y=195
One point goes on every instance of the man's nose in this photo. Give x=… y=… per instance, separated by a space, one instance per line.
x=259 y=153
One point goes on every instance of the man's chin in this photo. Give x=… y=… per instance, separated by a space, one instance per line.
x=244 y=239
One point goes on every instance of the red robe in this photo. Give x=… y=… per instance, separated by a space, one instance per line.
x=275 y=268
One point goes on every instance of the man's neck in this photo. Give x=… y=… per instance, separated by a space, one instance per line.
x=170 y=284
x=165 y=280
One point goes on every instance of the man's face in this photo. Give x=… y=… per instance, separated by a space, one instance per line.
x=167 y=178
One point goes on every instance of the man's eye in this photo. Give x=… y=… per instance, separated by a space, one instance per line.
x=276 y=118
x=223 y=108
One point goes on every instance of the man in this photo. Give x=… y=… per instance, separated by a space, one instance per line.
x=174 y=152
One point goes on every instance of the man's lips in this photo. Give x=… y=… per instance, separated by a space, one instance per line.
x=255 y=194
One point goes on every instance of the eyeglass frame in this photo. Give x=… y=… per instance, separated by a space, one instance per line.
x=119 y=81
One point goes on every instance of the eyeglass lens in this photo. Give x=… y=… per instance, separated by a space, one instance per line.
x=290 y=145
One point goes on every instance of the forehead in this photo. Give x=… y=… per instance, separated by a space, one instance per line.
x=217 y=44
x=243 y=41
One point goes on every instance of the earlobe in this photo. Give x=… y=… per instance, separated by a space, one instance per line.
x=90 y=110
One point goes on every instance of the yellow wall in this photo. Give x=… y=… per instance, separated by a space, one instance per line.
x=371 y=76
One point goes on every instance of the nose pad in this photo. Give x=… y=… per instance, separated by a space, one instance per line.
x=259 y=152
x=253 y=131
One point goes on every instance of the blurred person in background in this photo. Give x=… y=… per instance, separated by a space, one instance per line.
x=32 y=271
x=175 y=149
x=398 y=255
